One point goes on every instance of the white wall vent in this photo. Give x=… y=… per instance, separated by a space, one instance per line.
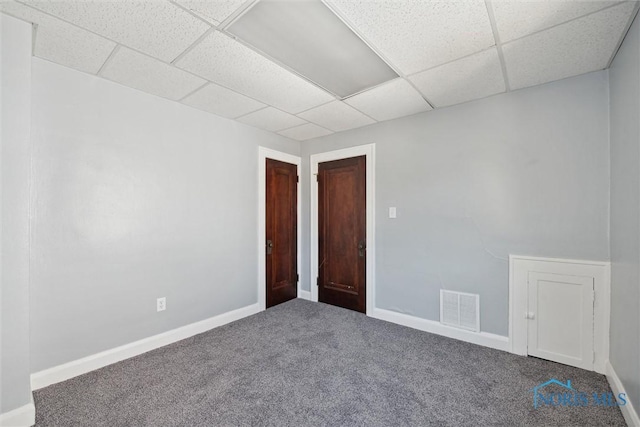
x=460 y=310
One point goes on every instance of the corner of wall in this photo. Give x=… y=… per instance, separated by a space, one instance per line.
x=628 y=411
x=15 y=78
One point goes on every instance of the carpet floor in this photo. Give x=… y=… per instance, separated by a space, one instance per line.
x=303 y=363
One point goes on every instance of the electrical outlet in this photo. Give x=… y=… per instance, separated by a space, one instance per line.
x=161 y=304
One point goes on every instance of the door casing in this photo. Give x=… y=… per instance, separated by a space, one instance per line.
x=264 y=154
x=362 y=150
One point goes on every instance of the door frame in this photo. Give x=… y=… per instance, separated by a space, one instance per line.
x=519 y=268
x=361 y=150
x=264 y=154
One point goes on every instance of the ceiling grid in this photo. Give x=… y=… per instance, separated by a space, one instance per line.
x=496 y=36
x=444 y=53
x=106 y=61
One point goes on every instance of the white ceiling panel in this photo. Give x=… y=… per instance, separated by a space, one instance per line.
x=271 y=119
x=390 y=101
x=416 y=35
x=515 y=19
x=158 y=28
x=63 y=43
x=139 y=71
x=222 y=101
x=231 y=64
x=580 y=46
x=304 y=132
x=337 y=116
x=212 y=11
x=473 y=77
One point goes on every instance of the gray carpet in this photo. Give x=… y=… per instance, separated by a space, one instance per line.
x=303 y=363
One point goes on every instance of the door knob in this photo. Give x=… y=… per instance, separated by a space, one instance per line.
x=530 y=315
x=269 y=247
x=361 y=248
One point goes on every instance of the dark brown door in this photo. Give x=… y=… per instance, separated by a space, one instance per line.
x=342 y=232
x=281 y=239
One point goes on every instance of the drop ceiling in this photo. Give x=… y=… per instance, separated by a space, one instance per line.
x=433 y=54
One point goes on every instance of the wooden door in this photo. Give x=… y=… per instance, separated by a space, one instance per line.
x=342 y=233
x=281 y=232
x=560 y=314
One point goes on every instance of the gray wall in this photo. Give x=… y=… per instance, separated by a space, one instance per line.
x=135 y=197
x=16 y=104
x=521 y=173
x=625 y=213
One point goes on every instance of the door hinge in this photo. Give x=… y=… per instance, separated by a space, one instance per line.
x=317 y=281
x=297 y=278
x=297 y=178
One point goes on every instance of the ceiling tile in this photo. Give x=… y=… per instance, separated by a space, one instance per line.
x=389 y=101
x=271 y=119
x=212 y=11
x=576 y=47
x=515 y=19
x=158 y=28
x=222 y=101
x=476 y=76
x=416 y=35
x=336 y=116
x=63 y=43
x=139 y=71
x=223 y=60
x=304 y=132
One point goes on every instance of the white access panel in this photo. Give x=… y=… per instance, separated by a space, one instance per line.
x=560 y=318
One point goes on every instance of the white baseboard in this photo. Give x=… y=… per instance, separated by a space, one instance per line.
x=485 y=339
x=90 y=363
x=24 y=416
x=628 y=411
x=304 y=295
